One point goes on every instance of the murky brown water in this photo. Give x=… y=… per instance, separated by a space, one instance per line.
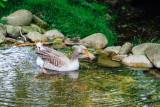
x=22 y=83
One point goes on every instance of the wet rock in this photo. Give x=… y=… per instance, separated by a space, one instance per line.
x=36 y=37
x=10 y=40
x=112 y=49
x=40 y=22
x=97 y=40
x=2 y=38
x=19 y=18
x=3 y=29
x=155 y=73
x=139 y=49
x=105 y=61
x=13 y=31
x=153 y=54
x=139 y=61
x=27 y=29
x=53 y=34
x=58 y=46
x=127 y=47
x=88 y=58
x=119 y=57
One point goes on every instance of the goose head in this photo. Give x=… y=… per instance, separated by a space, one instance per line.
x=82 y=50
x=39 y=46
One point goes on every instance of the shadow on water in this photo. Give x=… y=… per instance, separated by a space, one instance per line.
x=22 y=83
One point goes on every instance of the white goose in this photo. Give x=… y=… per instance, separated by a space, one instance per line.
x=54 y=60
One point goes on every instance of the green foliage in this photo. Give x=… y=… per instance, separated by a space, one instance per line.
x=71 y=17
x=1 y=3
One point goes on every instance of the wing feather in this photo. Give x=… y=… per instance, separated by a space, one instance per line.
x=53 y=57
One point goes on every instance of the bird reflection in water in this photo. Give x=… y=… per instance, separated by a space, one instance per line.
x=55 y=76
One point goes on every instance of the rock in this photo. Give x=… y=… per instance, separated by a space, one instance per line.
x=119 y=57
x=3 y=29
x=40 y=22
x=13 y=31
x=2 y=38
x=27 y=29
x=153 y=54
x=139 y=49
x=88 y=58
x=58 y=46
x=53 y=34
x=97 y=40
x=19 y=18
x=68 y=40
x=93 y=51
x=105 y=61
x=36 y=37
x=112 y=49
x=11 y=40
x=155 y=73
x=127 y=47
x=139 y=61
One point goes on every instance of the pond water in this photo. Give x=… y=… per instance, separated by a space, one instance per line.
x=22 y=83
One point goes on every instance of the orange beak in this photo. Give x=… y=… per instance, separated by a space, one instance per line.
x=87 y=53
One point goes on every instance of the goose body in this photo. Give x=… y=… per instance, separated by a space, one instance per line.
x=54 y=60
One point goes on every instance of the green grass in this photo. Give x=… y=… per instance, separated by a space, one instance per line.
x=71 y=17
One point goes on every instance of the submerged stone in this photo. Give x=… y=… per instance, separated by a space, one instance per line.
x=105 y=61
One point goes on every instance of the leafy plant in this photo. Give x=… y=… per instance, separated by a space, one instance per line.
x=1 y=3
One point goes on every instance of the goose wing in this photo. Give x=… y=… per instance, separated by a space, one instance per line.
x=56 y=53
x=53 y=57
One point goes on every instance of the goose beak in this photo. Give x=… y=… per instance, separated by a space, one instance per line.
x=87 y=53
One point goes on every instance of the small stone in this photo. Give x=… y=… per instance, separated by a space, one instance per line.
x=13 y=31
x=119 y=57
x=36 y=37
x=27 y=29
x=53 y=34
x=127 y=47
x=112 y=49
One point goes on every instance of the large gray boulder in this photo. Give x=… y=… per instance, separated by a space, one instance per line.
x=139 y=61
x=97 y=40
x=36 y=37
x=19 y=18
x=153 y=54
x=3 y=29
x=139 y=49
x=52 y=34
x=13 y=31
x=127 y=47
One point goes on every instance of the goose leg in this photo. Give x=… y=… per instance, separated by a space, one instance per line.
x=44 y=71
